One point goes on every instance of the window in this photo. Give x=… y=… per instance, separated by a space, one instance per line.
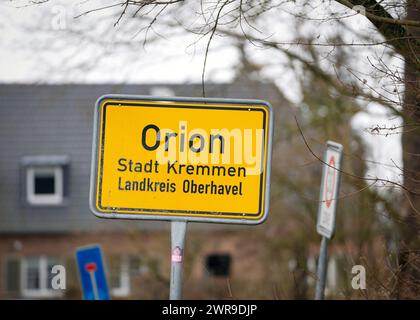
x=123 y=270
x=311 y=265
x=218 y=265
x=332 y=276
x=36 y=277
x=44 y=185
x=120 y=276
x=32 y=274
x=12 y=277
x=44 y=178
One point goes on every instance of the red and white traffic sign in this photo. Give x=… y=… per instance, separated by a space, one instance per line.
x=330 y=183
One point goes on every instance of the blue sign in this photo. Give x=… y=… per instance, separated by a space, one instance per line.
x=92 y=273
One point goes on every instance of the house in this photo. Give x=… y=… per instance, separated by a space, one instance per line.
x=45 y=159
x=45 y=143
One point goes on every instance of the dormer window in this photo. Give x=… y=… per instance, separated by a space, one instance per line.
x=44 y=185
x=44 y=178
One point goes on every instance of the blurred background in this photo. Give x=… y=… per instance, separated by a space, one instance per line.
x=332 y=70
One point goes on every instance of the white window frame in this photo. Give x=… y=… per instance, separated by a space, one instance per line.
x=43 y=291
x=332 y=276
x=124 y=289
x=312 y=268
x=44 y=199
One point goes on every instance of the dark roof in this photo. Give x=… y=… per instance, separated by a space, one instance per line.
x=37 y=120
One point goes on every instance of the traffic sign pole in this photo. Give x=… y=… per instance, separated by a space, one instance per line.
x=178 y=231
x=94 y=286
x=322 y=270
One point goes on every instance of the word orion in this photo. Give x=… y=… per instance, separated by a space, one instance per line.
x=197 y=140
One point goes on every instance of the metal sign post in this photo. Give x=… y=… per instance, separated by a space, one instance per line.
x=330 y=184
x=181 y=160
x=322 y=270
x=178 y=231
x=91 y=269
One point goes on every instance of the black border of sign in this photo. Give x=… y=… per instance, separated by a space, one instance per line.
x=143 y=210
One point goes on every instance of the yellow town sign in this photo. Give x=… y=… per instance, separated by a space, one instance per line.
x=189 y=159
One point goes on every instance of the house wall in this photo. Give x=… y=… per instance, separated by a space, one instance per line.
x=153 y=250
